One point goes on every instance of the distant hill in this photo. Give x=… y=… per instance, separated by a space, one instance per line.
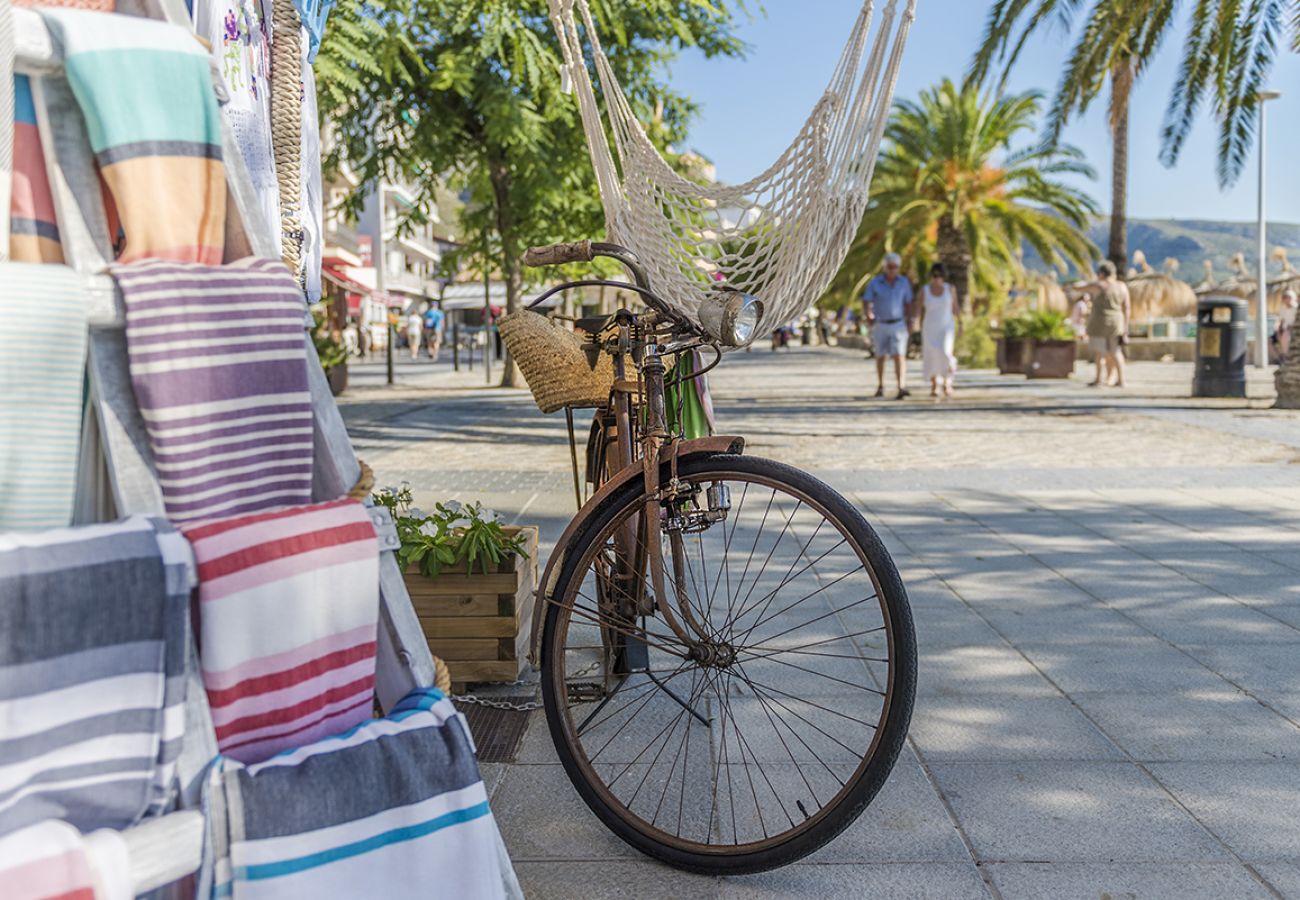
x=1192 y=241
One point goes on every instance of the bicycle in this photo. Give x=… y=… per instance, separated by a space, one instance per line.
x=724 y=717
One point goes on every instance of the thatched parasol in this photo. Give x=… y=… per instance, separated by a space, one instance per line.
x=1289 y=280
x=1241 y=283
x=1158 y=295
x=1208 y=284
x=1050 y=293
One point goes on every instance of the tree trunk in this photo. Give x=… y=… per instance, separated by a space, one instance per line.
x=955 y=253
x=1287 y=377
x=1121 y=89
x=511 y=263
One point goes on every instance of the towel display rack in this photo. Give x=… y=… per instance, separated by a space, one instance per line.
x=168 y=848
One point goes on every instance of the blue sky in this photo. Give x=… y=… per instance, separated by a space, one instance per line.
x=753 y=107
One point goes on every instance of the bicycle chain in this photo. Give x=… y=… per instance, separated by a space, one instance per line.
x=515 y=707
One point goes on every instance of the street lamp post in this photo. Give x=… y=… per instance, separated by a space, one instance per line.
x=1261 y=293
x=381 y=252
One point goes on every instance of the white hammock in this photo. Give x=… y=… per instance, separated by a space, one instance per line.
x=780 y=236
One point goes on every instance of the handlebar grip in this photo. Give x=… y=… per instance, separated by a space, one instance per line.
x=558 y=254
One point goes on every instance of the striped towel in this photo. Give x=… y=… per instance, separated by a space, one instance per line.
x=218 y=360
x=93 y=629
x=145 y=90
x=54 y=861
x=33 y=231
x=42 y=368
x=395 y=809
x=288 y=612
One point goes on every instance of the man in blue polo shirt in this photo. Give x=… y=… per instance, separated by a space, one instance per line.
x=887 y=300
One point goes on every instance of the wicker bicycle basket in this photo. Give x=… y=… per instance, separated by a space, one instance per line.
x=554 y=364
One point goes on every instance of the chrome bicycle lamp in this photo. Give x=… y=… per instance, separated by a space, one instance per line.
x=731 y=317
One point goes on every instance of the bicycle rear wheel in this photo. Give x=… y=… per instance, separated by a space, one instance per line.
x=773 y=735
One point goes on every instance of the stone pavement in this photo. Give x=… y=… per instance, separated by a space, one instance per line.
x=1106 y=587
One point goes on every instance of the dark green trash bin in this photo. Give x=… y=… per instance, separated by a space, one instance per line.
x=1221 y=327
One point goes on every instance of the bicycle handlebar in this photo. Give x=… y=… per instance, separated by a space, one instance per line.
x=559 y=254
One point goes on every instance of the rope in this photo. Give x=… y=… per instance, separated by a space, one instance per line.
x=783 y=234
x=286 y=128
x=365 y=483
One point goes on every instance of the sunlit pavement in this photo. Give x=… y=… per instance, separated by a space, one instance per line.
x=1106 y=587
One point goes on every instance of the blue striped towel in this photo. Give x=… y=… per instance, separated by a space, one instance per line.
x=42 y=369
x=394 y=808
x=93 y=634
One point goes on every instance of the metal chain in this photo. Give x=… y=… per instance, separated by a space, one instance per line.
x=515 y=707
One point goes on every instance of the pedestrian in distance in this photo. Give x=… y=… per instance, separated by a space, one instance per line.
x=886 y=303
x=1108 y=326
x=434 y=322
x=937 y=303
x=414 y=327
x=1284 y=332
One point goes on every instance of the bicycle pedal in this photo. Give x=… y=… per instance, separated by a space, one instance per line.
x=585 y=692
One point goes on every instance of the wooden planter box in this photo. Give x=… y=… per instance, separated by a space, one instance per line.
x=1013 y=356
x=479 y=624
x=1051 y=359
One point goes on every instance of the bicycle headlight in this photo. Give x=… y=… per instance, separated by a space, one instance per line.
x=731 y=318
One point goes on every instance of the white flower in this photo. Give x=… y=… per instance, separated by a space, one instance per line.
x=453 y=506
x=416 y=513
x=429 y=529
x=488 y=515
x=460 y=522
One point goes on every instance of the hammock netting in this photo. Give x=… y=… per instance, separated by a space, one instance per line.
x=780 y=236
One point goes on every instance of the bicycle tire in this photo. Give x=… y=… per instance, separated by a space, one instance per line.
x=871 y=773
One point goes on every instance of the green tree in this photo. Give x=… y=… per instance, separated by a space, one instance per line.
x=469 y=93
x=1113 y=45
x=952 y=185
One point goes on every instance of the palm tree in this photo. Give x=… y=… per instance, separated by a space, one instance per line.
x=950 y=186
x=1115 y=42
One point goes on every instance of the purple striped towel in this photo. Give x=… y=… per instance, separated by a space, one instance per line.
x=218 y=360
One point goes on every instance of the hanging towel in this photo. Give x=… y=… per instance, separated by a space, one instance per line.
x=288 y=611
x=42 y=368
x=218 y=360
x=52 y=860
x=145 y=90
x=93 y=624
x=33 y=230
x=394 y=809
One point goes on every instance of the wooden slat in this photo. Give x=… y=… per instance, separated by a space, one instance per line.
x=433 y=605
x=468 y=648
x=463 y=671
x=469 y=627
x=469 y=585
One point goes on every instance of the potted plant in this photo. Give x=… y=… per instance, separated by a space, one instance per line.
x=1013 y=346
x=332 y=353
x=471 y=580
x=1052 y=345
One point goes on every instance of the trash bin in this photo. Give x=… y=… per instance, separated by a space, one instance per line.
x=1220 y=348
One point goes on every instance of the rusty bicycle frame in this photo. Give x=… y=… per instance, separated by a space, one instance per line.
x=636 y=405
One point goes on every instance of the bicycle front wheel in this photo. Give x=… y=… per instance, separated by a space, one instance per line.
x=767 y=732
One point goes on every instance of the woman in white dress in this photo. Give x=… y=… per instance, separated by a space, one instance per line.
x=938 y=302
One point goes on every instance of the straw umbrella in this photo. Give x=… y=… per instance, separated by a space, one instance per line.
x=1208 y=284
x=1159 y=294
x=1289 y=280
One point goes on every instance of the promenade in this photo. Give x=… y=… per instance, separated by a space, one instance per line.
x=1106 y=587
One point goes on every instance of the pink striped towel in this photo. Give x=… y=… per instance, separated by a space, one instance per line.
x=52 y=860
x=288 y=612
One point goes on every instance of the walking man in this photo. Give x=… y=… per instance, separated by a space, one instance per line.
x=433 y=325
x=1108 y=325
x=887 y=299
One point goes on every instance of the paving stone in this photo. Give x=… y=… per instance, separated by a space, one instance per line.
x=1250 y=806
x=1081 y=624
x=542 y=817
x=1284 y=877
x=956 y=672
x=1135 y=665
x=642 y=880
x=1193 y=725
x=1256 y=667
x=1082 y=881
x=1071 y=812
x=993 y=727
x=897 y=881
